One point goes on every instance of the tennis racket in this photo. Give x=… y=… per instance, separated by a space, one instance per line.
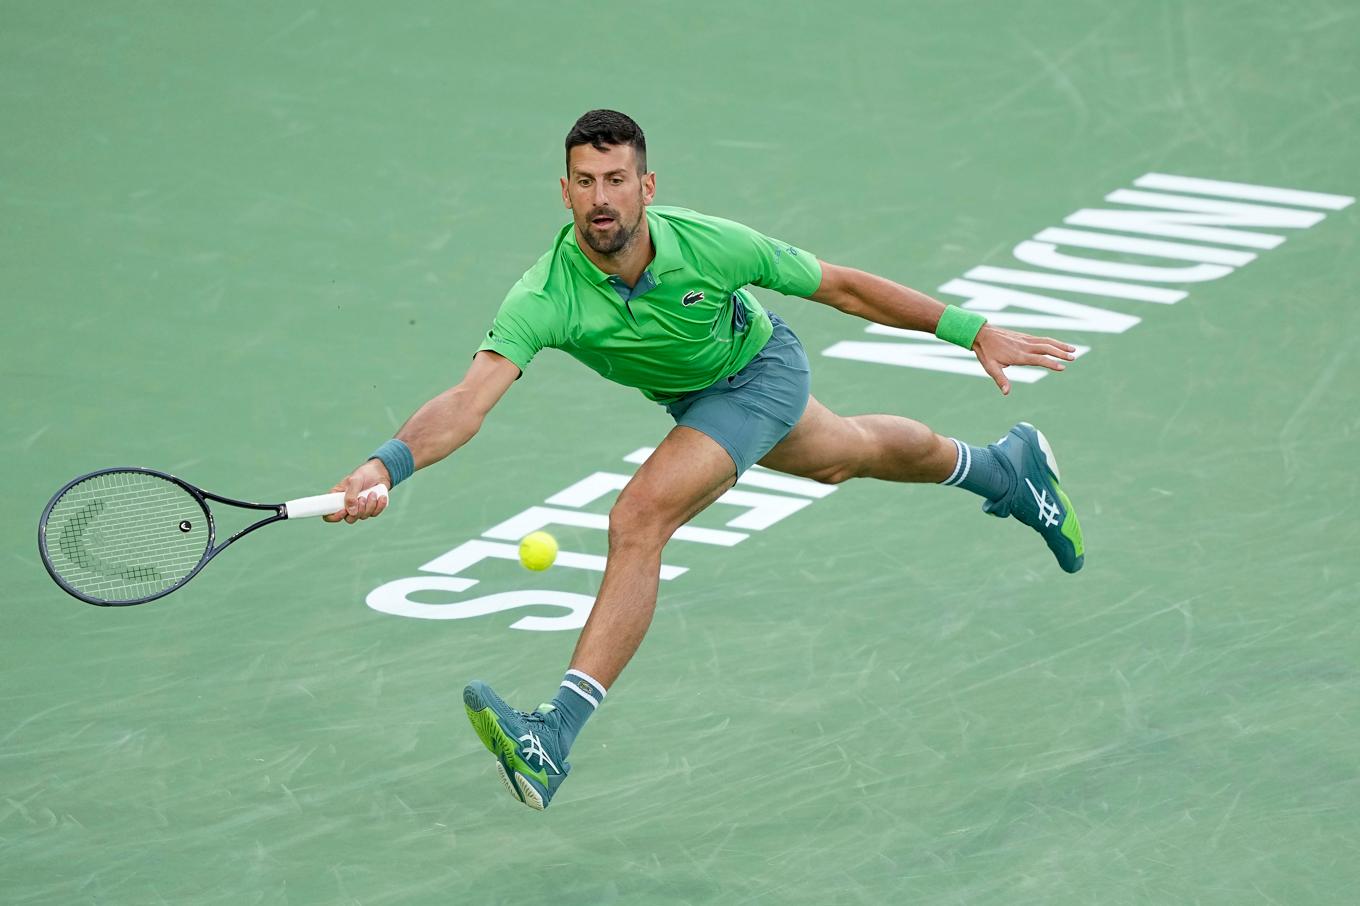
x=128 y=535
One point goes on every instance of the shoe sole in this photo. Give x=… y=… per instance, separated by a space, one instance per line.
x=499 y=743
x=531 y=795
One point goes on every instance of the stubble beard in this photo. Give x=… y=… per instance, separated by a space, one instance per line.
x=613 y=242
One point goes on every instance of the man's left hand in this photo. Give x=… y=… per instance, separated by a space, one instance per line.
x=996 y=348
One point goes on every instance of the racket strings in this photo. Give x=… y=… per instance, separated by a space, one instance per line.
x=74 y=529
x=125 y=535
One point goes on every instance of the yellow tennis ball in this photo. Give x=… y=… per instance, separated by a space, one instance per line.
x=537 y=550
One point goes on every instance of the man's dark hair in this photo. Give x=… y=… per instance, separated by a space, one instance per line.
x=603 y=128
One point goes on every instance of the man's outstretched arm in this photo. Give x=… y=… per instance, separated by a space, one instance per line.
x=437 y=428
x=885 y=302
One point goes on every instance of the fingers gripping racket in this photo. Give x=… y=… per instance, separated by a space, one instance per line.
x=128 y=535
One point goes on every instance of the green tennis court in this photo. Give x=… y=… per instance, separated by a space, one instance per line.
x=242 y=242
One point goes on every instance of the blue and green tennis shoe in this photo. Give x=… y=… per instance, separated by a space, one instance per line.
x=1036 y=498
x=529 y=755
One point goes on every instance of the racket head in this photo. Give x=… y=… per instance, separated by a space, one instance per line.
x=125 y=535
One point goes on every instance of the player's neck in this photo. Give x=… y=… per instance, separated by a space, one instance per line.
x=629 y=262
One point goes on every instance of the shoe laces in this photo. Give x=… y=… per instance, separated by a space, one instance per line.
x=534 y=717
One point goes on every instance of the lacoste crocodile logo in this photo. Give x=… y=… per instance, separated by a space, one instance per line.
x=692 y=297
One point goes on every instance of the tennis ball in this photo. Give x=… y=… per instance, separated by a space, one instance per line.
x=537 y=550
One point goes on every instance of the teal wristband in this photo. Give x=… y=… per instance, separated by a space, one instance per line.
x=959 y=327
x=396 y=456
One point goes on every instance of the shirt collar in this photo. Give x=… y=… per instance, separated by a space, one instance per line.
x=667 y=246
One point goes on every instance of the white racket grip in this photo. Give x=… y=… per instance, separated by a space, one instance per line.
x=325 y=504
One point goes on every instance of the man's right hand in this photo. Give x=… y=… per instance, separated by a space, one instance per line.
x=366 y=476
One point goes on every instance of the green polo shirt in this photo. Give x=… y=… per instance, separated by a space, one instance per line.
x=687 y=324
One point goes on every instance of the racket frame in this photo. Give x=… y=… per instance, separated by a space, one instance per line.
x=200 y=496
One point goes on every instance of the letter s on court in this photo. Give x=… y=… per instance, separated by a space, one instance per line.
x=394 y=598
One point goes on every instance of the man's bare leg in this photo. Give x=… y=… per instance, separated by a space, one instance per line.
x=686 y=473
x=834 y=448
x=1017 y=476
x=682 y=477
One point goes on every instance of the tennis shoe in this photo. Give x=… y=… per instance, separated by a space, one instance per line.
x=1036 y=498
x=529 y=754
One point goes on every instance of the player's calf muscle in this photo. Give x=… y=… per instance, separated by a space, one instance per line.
x=887 y=447
x=906 y=450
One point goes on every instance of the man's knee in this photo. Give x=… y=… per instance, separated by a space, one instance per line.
x=855 y=449
x=640 y=518
x=834 y=474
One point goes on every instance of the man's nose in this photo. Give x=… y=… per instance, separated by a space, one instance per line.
x=600 y=197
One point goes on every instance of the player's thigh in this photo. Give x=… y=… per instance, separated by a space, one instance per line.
x=823 y=446
x=686 y=472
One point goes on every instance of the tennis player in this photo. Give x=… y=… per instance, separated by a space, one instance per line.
x=655 y=298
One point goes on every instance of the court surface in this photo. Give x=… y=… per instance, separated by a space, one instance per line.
x=242 y=243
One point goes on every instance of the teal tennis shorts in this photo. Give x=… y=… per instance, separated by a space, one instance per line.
x=754 y=409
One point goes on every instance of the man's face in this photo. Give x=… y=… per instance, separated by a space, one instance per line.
x=607 y=195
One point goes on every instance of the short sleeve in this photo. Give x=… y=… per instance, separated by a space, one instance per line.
x=520 y=328
x=772 y=263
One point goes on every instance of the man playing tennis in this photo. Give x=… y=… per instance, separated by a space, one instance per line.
x=654 y=298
